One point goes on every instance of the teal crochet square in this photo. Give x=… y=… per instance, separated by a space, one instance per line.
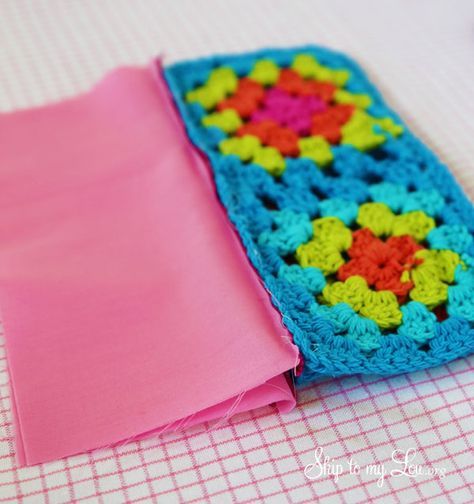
x=360 y=234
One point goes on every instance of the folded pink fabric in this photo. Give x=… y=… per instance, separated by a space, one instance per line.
x=128 y=303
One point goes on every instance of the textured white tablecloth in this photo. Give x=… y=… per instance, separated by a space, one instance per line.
x=421 y=54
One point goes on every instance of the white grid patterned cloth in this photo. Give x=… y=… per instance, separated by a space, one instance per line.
x=420 y=53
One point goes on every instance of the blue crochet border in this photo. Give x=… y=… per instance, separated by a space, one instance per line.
x=408 y=163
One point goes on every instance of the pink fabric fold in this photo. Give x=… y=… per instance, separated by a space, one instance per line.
x=128 y=303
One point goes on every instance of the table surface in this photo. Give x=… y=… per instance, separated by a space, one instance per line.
x=420 y=55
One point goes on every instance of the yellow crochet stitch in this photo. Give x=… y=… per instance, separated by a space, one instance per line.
x=383 y=222
x=377 y=217
x=221 y=82
x=359 y=100
x=416 y=224
x=432 y=293
x=359 y=130
x=382 y=307
x=244 y=147
x=388 y=125
x=271 y=159
x=266 y=72
x=323 y=251
x=332 y=230
x=316 y=148
x=249 y=148
x=442 y=262
x=228 y=120
x=308 y=67
x=432 y=276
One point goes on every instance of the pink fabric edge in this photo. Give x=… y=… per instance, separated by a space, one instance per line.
x=275 y=389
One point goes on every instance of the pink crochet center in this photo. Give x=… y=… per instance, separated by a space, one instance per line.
x=294 y=112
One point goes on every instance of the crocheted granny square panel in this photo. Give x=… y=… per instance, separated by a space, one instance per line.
x=361 y=236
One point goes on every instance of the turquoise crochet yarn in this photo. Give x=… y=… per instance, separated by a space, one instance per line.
x=360 y=234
